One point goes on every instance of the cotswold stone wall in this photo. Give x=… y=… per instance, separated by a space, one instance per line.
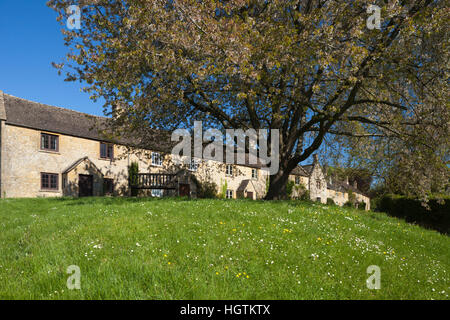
x=23 y=162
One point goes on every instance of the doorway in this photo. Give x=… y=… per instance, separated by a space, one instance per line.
x=185 y=190
x=85 y=185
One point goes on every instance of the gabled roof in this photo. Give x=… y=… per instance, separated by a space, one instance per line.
x=76 y=163
x=24 y=113
x=308 y=168
x=300 y=171
x=243 y=185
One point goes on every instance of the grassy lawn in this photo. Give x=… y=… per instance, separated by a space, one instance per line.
x=213 y=249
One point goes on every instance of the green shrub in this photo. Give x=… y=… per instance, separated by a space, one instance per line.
x=289 y=188
x=361 y=205
x=305 y=196
x=436 y=215
x=349 y=204
x=133 y=171
x=207 y=190
x=223 y=193
x=352 y=198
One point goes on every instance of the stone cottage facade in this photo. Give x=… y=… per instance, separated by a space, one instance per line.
x=47 y=151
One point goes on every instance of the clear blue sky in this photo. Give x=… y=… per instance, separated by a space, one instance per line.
x=30 y=40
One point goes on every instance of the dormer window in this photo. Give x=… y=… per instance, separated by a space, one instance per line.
x=106 y=151
x=49 y=142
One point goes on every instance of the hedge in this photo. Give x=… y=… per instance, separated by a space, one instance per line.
x=436 y=217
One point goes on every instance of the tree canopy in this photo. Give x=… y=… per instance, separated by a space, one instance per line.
x=310 y=68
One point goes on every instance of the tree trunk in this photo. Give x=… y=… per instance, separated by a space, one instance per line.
x=277 y=185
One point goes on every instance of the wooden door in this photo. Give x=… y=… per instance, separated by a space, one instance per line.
x=185 y=190
x=85 y=185
x=249 y=195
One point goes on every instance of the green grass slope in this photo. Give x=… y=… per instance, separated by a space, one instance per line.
x=213 y=249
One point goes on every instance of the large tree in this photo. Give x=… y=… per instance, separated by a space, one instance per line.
x=309 y=68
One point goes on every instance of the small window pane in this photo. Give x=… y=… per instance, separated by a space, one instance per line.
x=156 y=159
x=49 y=181
x=106 y=151
x=49 y=142
x=193 y=165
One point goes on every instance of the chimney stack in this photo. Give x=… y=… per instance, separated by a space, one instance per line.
x=316 y=158
x=355 y=184
x=346 y=180
x=2 y=107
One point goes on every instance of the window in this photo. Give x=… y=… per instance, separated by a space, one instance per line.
x=229 y=194
x=106 y=151
x=229 y=170
x=297 y=180
x=157 y=193
x=193 y=165
x=318 y=184
x=49 y=181
x=254 y=173
x=156 y=159
x=49 y=142
x=108 y=186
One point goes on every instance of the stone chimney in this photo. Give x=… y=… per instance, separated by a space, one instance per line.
x=355 y=184
x=2 y=107
x=346 y=180
x=331 y=179
x=117 y=109
x=316 y=158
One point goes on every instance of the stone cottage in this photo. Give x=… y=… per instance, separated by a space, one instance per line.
x=47 y=151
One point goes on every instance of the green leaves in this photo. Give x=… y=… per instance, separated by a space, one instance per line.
x=297 y=66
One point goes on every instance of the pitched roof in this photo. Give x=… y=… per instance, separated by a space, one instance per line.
x=308 y=168
x=300 y=171
x=38 y=116
x=29 y=114
x=243 y=185
x=76 y=163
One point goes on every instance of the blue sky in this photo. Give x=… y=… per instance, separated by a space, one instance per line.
x=30 y=41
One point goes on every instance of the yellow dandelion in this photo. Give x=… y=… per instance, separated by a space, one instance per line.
x=217 y=273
